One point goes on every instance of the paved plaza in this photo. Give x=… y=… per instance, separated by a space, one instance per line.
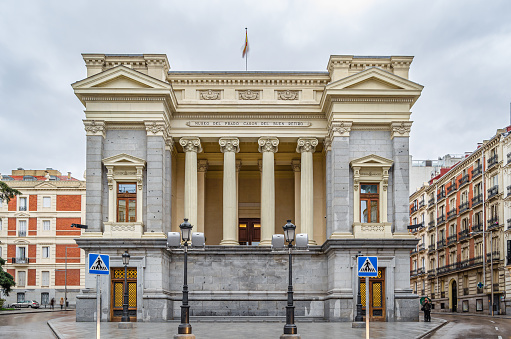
x=66 y=328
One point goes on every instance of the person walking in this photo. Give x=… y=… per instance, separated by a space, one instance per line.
x=52 y=303
x=426 y=307
x=61 y=303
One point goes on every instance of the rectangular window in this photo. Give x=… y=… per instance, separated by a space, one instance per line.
x=45 y=278
x=46 y=202
x=1 y=203
x=23 y=204
x=46 y=225
x=20 y=297
x=127 y=202
x=45 y=298
x=46 y=252
x=21 y=253
x=0 y=224
x=22 y=228
x=22 y=278
x=369 y=202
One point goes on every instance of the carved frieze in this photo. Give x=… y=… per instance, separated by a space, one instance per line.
x=209 y=95
x=249 y=95
x=306 y=145
x=268 y=144
x=229 y=145
x=288 y=95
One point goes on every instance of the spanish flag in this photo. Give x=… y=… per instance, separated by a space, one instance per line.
x=245 y=49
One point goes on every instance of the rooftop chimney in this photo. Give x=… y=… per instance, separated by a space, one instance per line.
x=69 y=175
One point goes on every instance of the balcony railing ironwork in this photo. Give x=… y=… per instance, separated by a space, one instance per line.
x=477 y=171
x=440 y=220
x=431 y=224
x=493 y=191
x=509 y=157
x=452 y=213
x=493 y=222
x=463 y=180
x=478 y=199
x=461 y=265
x=20 y=260
x=509 y=224
x=415 y=227
x=413 y=273
x=496 y=256
x=22 y=233
x=440 y=196
x=451 y=188
x=431 y=202
x=431 y=248
x=463 y=207
x=421 y=203
x=422 y=247
x=452 y=239
x=477 y=228
x=414 y=209
x=508 y=191
x=22 y=208
x=464 y=234
x=440 y=244
x=420 y=271
x=493 y=160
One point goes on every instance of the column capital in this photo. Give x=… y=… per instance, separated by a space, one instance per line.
x=169 y=144
x=229 y=144
x=95 y=127
x=327 y=144
x=306 y=145
x=295 y=164
x=268 y=144
x=202 y=165
x=400 y=129
x=191 y=144
x=154 y=128
x=339 y=129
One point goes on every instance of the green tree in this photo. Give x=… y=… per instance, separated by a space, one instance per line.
x=7 y=192
x=6 y=280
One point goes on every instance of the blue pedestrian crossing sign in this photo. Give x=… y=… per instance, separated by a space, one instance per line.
x=99 y=263
x=368 y=267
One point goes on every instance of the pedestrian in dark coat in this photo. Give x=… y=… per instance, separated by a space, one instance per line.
x=52 y=303
x=426 y=307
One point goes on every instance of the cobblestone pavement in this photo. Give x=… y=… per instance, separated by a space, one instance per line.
x=67 y=327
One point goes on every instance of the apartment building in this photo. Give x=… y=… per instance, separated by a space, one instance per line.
x=462 y=219
x=36 y=237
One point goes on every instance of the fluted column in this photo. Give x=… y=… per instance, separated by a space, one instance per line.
x=307 y=146
x=229 y=147
x=202 y=168
x=295 y=164
x=191 y=146
x=268 y=146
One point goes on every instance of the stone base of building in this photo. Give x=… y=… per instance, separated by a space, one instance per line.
x=239 y=281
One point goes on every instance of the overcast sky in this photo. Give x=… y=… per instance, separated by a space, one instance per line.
x=462 y=55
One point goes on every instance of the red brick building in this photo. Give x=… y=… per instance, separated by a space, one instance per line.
x=36 y=237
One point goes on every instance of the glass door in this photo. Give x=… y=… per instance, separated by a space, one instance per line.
x=249 y=231
x=117 y=293
x=376 y=296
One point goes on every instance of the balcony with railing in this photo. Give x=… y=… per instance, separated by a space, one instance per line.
x=478 y=199
x=421 y=271
x=470 y=262
x=20 y=261
x=22 y=233
x=414 y=251
x=477 y=228
x=452 y=213
x=431 y=272
x=493 y=160
x=464 y=234
x=492 y=192
x=509 y=157
x=452 y=239
x=431 y=202
x=431 y=225
x=463 y=180
x=477 y=171
x=422 y=203
x=413 y=273
x=463 y=207
x=451 y=189
x=431 y=248
x=440 y=196
x=413 y=209
x=495 y=256
x=440 y=244
x=415 y=227
x=509 y=224
x=508 y=191
x=493 y=223
x=421 y=247
x=440 y=220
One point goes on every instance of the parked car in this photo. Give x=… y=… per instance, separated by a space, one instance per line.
x=26 y=303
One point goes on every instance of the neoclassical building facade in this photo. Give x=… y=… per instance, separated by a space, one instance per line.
x=239 y=153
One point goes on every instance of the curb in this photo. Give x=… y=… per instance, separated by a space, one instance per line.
x=54 y=330
x=445 y=322
x=17 y=312
x=498 y=316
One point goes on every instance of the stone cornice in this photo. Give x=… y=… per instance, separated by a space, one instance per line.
x=247 y=116
x=262 y=79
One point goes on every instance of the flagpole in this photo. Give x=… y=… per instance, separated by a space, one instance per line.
x=246 y=56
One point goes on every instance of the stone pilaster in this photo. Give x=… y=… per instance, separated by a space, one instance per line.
x=400 y=175
x=191 y=146
x=202 y=168
x=295 y=164
x=268 y=146
x=229 y=147
x=307 y=146
x=328 y=179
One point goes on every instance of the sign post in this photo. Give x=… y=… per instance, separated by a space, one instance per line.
x=99 y=264
x=368 y=268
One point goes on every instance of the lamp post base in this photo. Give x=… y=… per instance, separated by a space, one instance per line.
x=290 y=336
x=184 y=336
x=125 y=325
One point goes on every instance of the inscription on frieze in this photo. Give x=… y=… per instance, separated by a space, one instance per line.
x=234 y=123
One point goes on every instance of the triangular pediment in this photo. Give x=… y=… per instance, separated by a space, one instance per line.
x=121 y=77
x=371 y=160
x=46 y=184
x=123 y=159
x=374 y=79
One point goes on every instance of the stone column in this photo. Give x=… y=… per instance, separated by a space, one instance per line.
x=268 y=146
x=295 y=164
x=229 y=147
x=341 y=208
x=328 y=189
x=191 y=146
x=94 y=208
x=238 y=169
x=202 y=168
x=307 y=146
x=400 y=134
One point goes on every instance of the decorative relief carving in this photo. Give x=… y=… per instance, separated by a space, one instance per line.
x=229 y=145
x=249 y=95
x=123 y=228
x=155 y=127
x=191 y=144
x=94 y=127
x=209 y=95
x=327 y=144
x=169 y=142
x=340 y=129
x=268 y=144
x=372 y=228
x=306 y=145
x=288 y=95
x=401 y=129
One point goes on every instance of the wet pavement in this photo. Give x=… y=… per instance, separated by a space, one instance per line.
x=66 y=327
x=28 y=325
x=472 y=326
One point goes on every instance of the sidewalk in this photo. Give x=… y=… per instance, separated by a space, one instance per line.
x=67 y=327
x=34 y=310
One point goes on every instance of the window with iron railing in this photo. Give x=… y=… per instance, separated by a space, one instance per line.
x=476 y=200
x=509 y=157
x=493 y=160
x=22 y=204
x=493 y=191
x=477 y=171
x=463 y=180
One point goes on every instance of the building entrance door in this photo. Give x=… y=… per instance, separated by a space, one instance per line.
x=249 y=231
x=376 y=296
x=454 y=296
x=117 y=293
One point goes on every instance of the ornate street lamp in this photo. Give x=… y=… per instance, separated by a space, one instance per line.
x=359 y=316
x=185 y=327
x=290 y=327
x=125 y=262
